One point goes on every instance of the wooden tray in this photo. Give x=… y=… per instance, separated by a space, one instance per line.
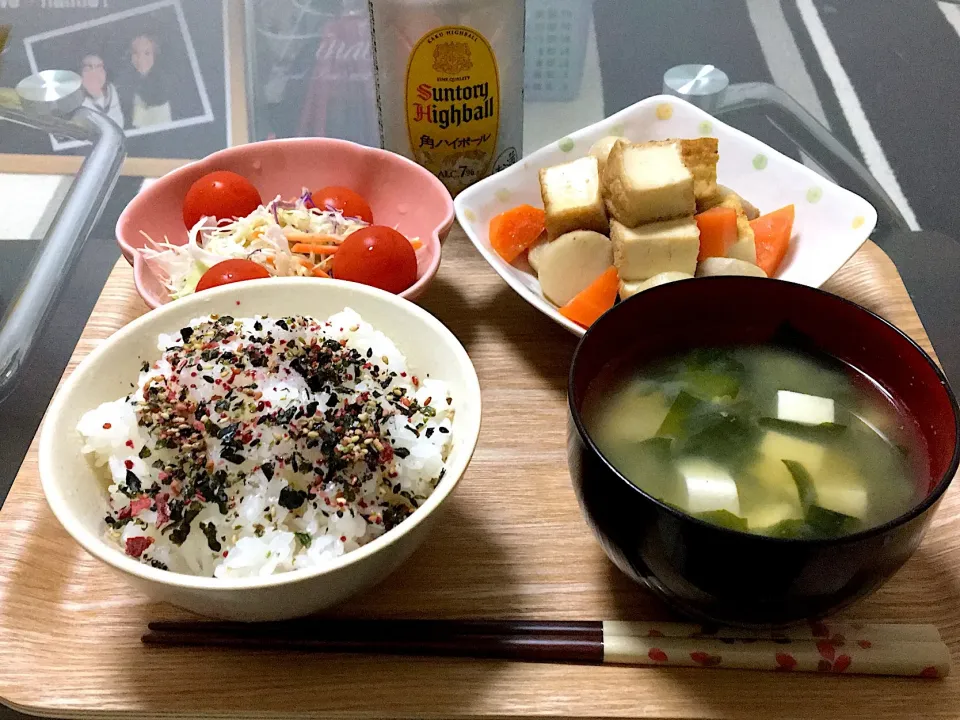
x=512 y=544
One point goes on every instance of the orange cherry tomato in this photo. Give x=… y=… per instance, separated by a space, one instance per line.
x=349 y=203
x=231 y=271
x=220 y=194
x=377 y=256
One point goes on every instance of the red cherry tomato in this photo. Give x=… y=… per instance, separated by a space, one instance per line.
x=377 y=256
x=220 y=194
x=231 y=271
x=349 y=203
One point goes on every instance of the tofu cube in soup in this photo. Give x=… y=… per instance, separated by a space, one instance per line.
x=571 y=197
x=786 y=447
x=840 y=487
x=570 y=263
x=629 y=288
x=769 y=494
x=844 y=499
x=804 y=409
x=642 y=252
x=707 y=487
x=646 y=183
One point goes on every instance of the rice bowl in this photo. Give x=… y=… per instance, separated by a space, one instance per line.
x=76 y=488
x=258 y=445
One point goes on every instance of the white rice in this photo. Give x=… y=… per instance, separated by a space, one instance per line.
x=228 y=401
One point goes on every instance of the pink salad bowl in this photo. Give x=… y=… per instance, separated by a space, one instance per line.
x=401 y=194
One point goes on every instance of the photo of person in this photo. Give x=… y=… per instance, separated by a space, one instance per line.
x=148 y=97
x=139 y=67
x=100 y=93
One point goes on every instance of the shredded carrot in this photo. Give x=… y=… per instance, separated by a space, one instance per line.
x=317 y=272
x=315 y=249
x=515 y=230
x=593 y=301
x=298 y=236
x=417 y=244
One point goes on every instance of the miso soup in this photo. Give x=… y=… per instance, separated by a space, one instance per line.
x=762 y=439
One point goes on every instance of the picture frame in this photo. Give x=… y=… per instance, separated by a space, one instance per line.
x=147 y=44
x=207 y=37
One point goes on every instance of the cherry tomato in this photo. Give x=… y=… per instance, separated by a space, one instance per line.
x=220 y=194
x=349 y=203
x=377 y=256
x=231 y=271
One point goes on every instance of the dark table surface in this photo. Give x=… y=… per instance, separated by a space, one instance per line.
x=878 y=74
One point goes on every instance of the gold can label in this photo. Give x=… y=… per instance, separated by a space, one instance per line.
x=453 y=105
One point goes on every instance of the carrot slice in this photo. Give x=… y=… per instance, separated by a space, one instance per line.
x=315 y=249
x=594 y=300
x=718 y=231
x=772 y=236
x=317 y=272
x=515 y=230
x=417 y=244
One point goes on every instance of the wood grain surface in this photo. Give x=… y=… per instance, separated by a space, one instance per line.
x=511 y=544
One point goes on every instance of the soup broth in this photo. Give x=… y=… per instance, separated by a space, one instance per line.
x=762 y=439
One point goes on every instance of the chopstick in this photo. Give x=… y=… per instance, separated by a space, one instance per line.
x=871 y=649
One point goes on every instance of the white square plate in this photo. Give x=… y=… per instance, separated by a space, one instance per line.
x=831 y=223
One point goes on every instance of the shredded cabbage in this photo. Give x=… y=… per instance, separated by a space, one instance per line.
x=265 y=236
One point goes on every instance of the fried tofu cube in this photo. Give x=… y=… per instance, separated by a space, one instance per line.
x=745 y=248
x=642 y=252
x=701 y=156
x=571 y=197
x=646 y=183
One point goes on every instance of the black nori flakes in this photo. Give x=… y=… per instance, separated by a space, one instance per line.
x=292 y=499
x=233 y=457
x=181 y=529
x=210 y=531
x=228 y=432
x=132 y=482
